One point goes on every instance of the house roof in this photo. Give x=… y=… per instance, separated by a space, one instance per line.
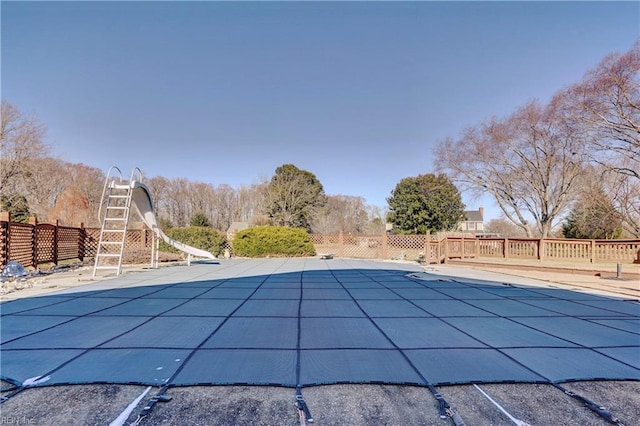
x=473 y=216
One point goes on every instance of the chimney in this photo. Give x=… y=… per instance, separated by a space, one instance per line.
x=481 y=210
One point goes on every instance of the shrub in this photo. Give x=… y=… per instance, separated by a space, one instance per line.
x=204 y=238
x=273 y=241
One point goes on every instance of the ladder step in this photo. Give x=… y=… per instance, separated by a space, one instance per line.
x=107 y=255
x=118 y=196
x=111 y=242
x=119 y=185
x=116 y=219
x=116 y=208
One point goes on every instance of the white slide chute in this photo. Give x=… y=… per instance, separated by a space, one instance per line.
x=142 y=203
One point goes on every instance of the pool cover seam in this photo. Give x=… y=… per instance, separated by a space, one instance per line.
x=300 y=299
x=406 y=358
x=86 y=350
x=500 y=350
x=511 y=317
x=93 y=313
x=85 y=315
x=193 y=352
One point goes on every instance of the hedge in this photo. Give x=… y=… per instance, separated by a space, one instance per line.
x=277 y=241
x=201 y=237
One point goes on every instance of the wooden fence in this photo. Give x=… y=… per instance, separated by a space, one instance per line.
x=36 y=244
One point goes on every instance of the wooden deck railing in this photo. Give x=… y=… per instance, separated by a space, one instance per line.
x=421 y=247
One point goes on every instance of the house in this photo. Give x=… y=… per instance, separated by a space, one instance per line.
x=474 y=221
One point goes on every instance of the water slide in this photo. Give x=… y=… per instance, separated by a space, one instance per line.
x=142 y=203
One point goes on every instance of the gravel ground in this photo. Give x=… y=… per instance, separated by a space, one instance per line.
x=370 y=405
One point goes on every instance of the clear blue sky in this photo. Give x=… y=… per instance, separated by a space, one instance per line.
x=358 y=93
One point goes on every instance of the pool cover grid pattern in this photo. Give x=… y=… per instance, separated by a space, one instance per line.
x=303 y=322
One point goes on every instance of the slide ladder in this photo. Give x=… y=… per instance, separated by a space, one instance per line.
x=116 y=199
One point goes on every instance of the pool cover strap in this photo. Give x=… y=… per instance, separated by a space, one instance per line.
x=598 y=409
x=302 y=406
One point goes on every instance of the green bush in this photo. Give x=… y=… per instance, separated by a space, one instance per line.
x=201 y=237
x=273 y=241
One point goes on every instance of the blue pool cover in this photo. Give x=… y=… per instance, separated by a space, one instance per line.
x=306 y=322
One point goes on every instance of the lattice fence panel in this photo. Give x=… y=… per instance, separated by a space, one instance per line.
x=45 y=243
x=92 y=236
x=21 y=244
x=362 y=246
x=136 y=239
x=69 y=243
x=409 y=247
x=325 y=244
x=4 y=243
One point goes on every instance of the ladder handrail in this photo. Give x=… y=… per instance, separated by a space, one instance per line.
x=104 y=190
x=134 y=174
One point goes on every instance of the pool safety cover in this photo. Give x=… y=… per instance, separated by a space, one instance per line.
x=306 y=322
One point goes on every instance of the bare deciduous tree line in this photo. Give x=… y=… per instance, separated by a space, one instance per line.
x=70 y=193
x=536 y=162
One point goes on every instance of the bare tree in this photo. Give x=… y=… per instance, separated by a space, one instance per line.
x=66 y=192
x=224 y=206
x=177 y=203
x=177 y=200
x=607 y=103
x=42 y=183
x=529 y=162
x=200 y=198
x=377 y=222
x=504 y=228
x=593 y=215
x=624 y=191
x=250 y=203
x=159 y=187
x=21 y=141
x=341 y=213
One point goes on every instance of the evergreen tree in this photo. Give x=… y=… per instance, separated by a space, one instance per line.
x=292 y=196
x=200 y=219
x=17 y=206
x=593 y=217
x=426 y=203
